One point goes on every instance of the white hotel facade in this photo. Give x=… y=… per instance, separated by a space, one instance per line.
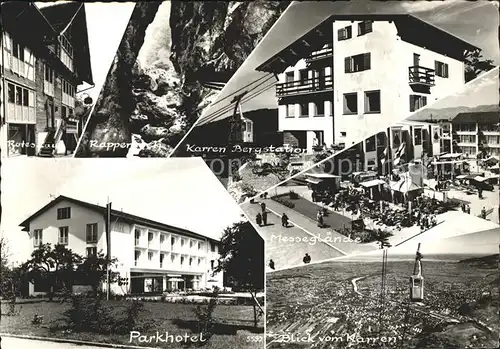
x=351 y=75
x=152 y=256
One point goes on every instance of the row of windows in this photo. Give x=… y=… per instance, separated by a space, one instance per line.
x=66 y=45
x=173 y=240
x=182 y=259
x=68 y=88
x=318 y=109
x=91 y=235
x=364 y=27
x=465 y=127
x=489 y=127
x=319 y=74
x=493 y=139
x=371 y=102
x=20 y=95
x=467 y=139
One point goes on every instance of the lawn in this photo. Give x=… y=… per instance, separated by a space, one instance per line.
x=234 y=327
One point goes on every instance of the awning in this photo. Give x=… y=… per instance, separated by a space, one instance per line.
x=372 y=183
x=313 y=180
x=321 y=175
x=405 y=187
x=176 y=279
x=451 y=156
x=480 y=178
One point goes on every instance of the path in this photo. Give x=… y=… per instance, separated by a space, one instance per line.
x=284 y=253
x=22 y=343
x=355 y=286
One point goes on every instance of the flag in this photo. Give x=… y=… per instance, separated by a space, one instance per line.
x=399 y=153
x=383 y=156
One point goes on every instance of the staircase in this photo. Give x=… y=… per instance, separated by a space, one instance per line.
x=51 y=141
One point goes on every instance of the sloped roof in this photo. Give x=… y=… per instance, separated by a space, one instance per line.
x=64 y=14
x=410 y=27
x=114 y=214
x=491 y=117
x=47 y=24
x=60 y=15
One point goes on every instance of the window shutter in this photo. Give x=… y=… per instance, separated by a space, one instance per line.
x=445 y=68
x=436 y=67
x=347 y=62
x=412 y=103
x=366 y=62
x=424 y=101
x=340 y=34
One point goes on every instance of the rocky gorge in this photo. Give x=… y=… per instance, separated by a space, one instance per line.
x=152 y=103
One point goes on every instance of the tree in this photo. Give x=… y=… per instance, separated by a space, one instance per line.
x=94 y=269
x=242 y=259
x=55 y=266
x=475 y=64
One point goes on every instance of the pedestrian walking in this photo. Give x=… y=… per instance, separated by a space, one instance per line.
x=480 y=193
x=263 y=207
x=264 y=218
x=284 y=220
x=258 y=219
x=306 y=259
x=483 y=213
x=319 y=217
x=271 y=264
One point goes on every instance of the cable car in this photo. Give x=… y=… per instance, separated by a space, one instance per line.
x=416 y=288
x=417 y=280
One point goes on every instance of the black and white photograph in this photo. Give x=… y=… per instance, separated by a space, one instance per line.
x=53 y=72
x=433 y=174
x=430 y=294
x=249 y=174
x=174 y=58
x=329 y=75
x=127 y=252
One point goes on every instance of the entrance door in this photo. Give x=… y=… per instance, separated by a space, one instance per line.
x=416 y=60
x=30 y=138
x=51 y=123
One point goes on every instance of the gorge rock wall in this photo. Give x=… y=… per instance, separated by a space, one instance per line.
x=154 y=108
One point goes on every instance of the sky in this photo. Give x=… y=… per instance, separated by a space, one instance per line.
x=457 y=17
x=106 y=23
x=481 y=91
x=156 y=47
x=481 y=243
x=182 y=192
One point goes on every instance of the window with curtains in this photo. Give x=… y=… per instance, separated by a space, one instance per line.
x=417 y=102
x=365 y=27
x=441 y=69
x=345 y=33
x=357 y=63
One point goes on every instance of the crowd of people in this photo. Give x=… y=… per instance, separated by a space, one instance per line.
x=423 y=210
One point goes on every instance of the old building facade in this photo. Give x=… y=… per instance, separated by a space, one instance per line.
x=41 y=70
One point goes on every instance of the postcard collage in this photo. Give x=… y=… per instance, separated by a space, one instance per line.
x=250 y=174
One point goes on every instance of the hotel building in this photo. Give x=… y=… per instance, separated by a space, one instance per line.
x=40 y=71
x=152 y=256
x=351 y=75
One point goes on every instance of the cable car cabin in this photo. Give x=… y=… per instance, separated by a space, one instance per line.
x=247 y=130
x=416 y=288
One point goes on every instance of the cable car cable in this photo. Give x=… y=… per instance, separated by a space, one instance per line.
x=240 y=89
x=212 y=116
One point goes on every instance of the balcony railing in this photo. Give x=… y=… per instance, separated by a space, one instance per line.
x=421 y=76
x=304 y=86
x=326 y=52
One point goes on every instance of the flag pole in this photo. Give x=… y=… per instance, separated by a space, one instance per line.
x=108 y=248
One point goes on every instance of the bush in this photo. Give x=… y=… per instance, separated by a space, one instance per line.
x=88 y=314
x=284 y=202
x=206 y=319
x=293 y=195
